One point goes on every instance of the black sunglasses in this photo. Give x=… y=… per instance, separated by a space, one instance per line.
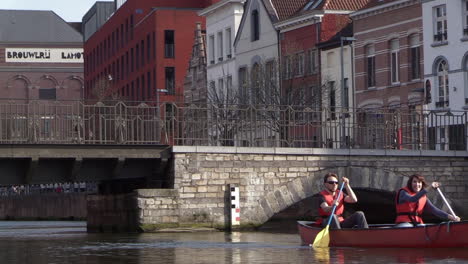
x=332 y=182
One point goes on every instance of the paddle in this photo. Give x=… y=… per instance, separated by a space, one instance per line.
x=323 y=237
x=446 y=202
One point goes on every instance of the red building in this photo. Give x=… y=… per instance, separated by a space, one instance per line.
x=142 y=51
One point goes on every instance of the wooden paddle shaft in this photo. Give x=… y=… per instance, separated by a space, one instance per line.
x=446 y=202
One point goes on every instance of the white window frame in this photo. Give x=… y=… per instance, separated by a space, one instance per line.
x=220 y=46
x=300 y=64
x=440 y=23
x=394 y=61
x=443 y=82
x=211 y=49
x=228 y=43
x=313 y=61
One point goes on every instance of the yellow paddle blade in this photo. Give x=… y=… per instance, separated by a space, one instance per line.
x=322 y=239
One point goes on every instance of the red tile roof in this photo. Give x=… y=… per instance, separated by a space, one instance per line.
x=287 y=8
x=346 y=4
x=373 y=3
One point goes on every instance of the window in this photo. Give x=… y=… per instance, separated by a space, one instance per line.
x=229 y=83
x=169 y=43
x=465 y=69
x=47 y=94
x=346 y=94
x=131 y=27
x=148 y=47
x=300 y=64
x=170 y=80
x=255 y=25
x=443 y=84
x=287 y=67
x=331 y=98
x=370 y=65
x=465 y=17
x=220 y=46
x=142 y=53
x=415 y=57
x=256 y=83
x=440 y=23
x=270 y=79
x=137 y=57
x=313 y=61
x=395 y=66
x=243 y=83
x=211 y=48
x=228 y=43
x=213 y=87
x=221 y=83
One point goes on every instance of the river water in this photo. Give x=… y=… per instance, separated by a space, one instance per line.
x=68 y=242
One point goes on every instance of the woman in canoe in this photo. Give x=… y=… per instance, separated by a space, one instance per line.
x=411 y=202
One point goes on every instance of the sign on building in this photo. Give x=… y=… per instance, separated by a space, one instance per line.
x=43 y=55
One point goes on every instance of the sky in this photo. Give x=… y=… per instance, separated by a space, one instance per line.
x=69 y=10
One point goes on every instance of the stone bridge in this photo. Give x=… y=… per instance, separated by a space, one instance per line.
x=271 y=180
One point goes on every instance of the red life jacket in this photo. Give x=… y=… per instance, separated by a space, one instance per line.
x=329 y=198
x=410 y=211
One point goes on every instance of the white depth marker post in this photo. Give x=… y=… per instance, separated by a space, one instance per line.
x=235 y=206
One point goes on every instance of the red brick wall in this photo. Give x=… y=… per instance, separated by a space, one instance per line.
x=182 y=21
x=378 y=29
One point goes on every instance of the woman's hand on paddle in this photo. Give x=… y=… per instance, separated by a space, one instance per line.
x=453 y=218
x=435 y=185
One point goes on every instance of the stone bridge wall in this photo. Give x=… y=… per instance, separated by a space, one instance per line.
x=273 y=179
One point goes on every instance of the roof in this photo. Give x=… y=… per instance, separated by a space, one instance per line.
x=373 y=3
x=287 y=8
x=335 y=41
x=345 y=4
x=19 y=26
x=296 y=8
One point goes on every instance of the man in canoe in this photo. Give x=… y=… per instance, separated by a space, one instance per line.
x=411 y=202
x=330 y=197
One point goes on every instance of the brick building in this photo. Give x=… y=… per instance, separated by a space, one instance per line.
x=41 y=56
x=388 y=54
x=142 y=51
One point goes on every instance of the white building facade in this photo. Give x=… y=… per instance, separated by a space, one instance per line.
x=222 y=21
x=337 y=93
x=256 y=47
x=445 y=27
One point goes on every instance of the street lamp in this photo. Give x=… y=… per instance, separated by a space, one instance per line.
x=343 y=135
x=157 y=99
x=158 y=109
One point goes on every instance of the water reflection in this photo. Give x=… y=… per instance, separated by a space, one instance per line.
x=68 y=242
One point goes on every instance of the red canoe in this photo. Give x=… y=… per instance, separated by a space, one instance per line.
x=444 y=235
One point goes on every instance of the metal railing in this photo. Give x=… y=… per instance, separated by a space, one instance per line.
x=131 y=123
